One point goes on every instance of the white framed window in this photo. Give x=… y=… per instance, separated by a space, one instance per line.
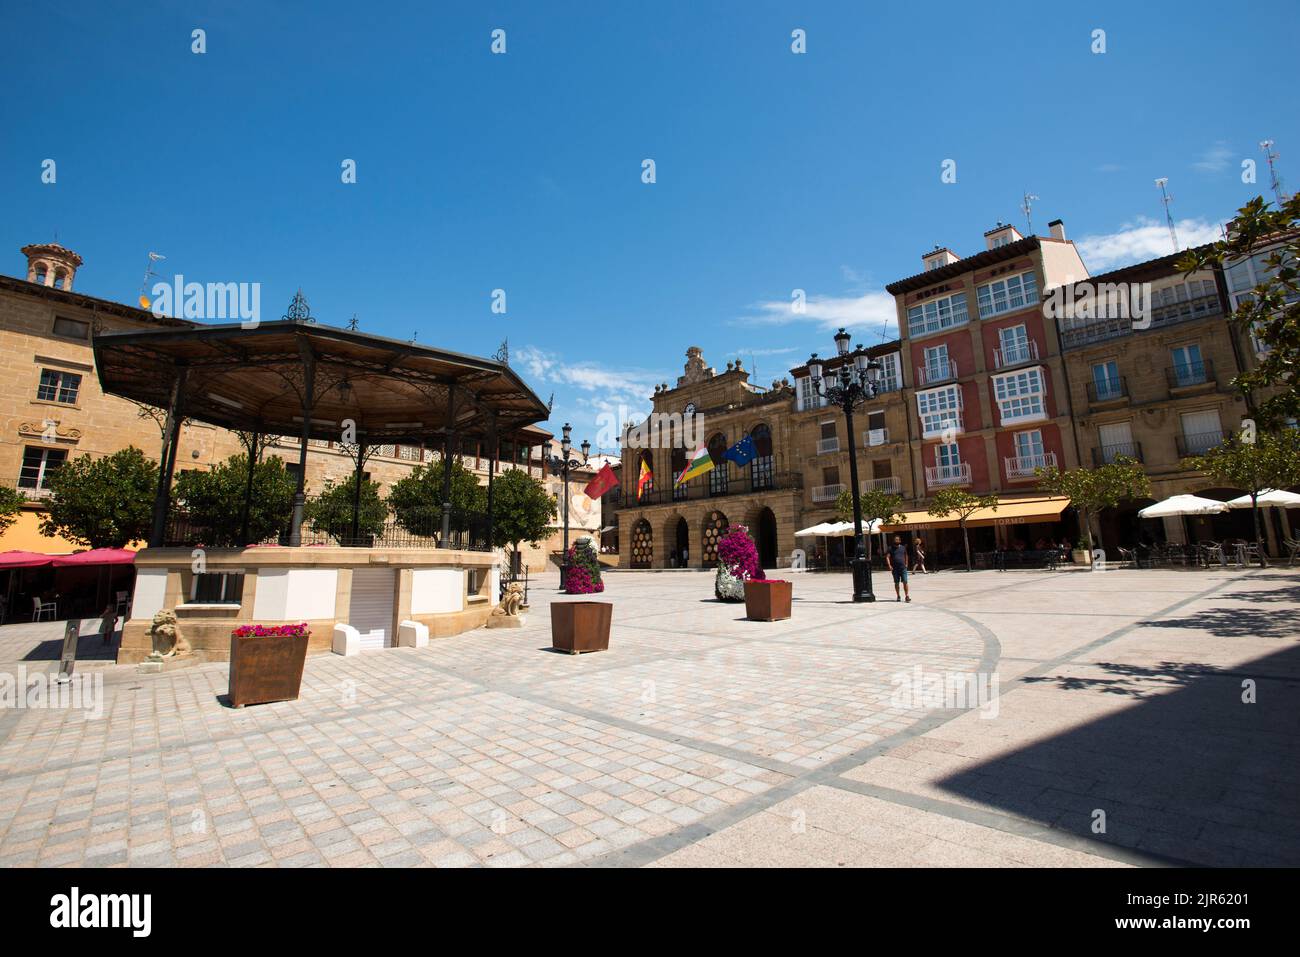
x=947 y=456
x=890 y=381
x=939 y=409
x=58 y=386
x=936 y=363
x=1029 y=444
x=39 y=463
x=808 y=398
x=1007 y=294
x=1020 y=395
x=937 y=314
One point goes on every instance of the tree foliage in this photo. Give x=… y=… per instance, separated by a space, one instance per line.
x=1272 y=312
x=963 y=504
x=1091 y=490
x=331 y=511
x=213 y=501
x=102 y=502
x=522 y=510
x=416 y=500
x=11 y=503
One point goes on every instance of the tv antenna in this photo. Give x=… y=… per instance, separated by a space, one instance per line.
x=1027 y=207
x=1165 y=198
x=145 y=302
x=1276 y=180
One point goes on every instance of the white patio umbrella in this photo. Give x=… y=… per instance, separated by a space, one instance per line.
x=1269 y=498
x=1183 y=505
x=821 y=530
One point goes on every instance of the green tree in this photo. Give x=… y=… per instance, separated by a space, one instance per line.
x=522 y=511
x=1272 y=312
x=102 y=502
x=876 y=504
x=416 y=500
x=958 y=501
x=330 y=512
x=1091 y=490
x=213 y=501
x=11 y=503
x=1271 y=461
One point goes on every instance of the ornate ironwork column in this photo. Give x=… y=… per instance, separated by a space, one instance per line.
x=308 y=403
x=167 y=458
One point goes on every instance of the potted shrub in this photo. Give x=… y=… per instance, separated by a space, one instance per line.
x=266 y=663
x=578 y=626
x=1081 y=555
x=737 y=563
x=767 y=599
x=583 y=576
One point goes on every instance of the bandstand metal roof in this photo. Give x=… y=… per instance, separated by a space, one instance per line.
x=256 y=380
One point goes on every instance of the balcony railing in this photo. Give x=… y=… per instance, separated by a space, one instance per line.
x=947 y=474
x=892 y=484
x=1187 y=374
x=932 y=373
x=1026 y=351
x=741 y=481
x=1024 y=466
x=1099 y=330
x=828 y=445
x=1198 y=443
x=33 y=494
x=875 y=437
x=467 y=530
x=1106 y=454
x=826 y=493
x=1107 y=390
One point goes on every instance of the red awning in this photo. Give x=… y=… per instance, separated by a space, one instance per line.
x=96 y=556
x=21 y=559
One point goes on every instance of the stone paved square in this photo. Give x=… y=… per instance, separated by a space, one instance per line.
x=703 y=739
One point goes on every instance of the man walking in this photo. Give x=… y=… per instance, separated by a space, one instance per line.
x=897 y=556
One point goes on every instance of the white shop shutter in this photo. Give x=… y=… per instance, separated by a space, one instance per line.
x=370 y=611
x=1116 y=435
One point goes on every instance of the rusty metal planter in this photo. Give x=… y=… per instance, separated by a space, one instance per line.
x=578 y=626
x=266 y=669
x=767 y=600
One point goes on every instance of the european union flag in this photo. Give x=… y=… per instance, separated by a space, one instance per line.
x=742 y=451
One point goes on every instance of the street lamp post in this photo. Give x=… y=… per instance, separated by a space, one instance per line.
x=856 y=381
x=561 y=465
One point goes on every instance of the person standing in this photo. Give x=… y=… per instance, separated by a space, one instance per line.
x=920 y=558
x=897 y=556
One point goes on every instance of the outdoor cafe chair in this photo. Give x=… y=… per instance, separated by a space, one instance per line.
x=41 y=608
x=1293 y=548
x=1213 y=552
x=123 y=607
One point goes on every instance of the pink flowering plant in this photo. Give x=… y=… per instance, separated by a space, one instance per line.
x=583 y=576
x=271 y=631
x=737 y=564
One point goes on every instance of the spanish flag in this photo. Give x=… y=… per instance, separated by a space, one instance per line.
x=700 y=463
x=645 y=480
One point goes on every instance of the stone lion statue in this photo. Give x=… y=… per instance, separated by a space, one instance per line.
x=510 y=602
x=168 y=642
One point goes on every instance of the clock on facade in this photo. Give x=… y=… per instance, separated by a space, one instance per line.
x=690 y=408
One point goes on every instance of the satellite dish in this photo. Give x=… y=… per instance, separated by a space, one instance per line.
x=144 y=302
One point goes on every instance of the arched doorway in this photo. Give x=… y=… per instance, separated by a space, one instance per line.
x=765 y=536
x=642 y=545
x=681 y=556
x=715 y=526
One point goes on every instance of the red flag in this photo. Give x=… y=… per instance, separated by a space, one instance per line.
x=604 y=481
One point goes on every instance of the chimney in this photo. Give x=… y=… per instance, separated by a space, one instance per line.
x=1057 y=229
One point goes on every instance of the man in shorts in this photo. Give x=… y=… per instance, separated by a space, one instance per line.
x=897 y=556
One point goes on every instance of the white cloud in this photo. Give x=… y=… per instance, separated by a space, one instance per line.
x=586 y=376
x=1215 y=159
x=872 y=311
x=1142 y=240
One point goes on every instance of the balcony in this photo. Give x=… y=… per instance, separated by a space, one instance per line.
x=827 y=493
x=1083 y=332
x=1106 y=454
x=938 y=424
x=33 y=494
x=825 y=446
x=1198 y=443
x=1014 y=355
x=936 y=475
x=875 y=437
x=932 y=373
x=891 y=484
x=1189 y=376
x=1107 y=390
x=1025 y=466
x=743 y=481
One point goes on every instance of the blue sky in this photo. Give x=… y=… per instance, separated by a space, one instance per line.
x=523 y=171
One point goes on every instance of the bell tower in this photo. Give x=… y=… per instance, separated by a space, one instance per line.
x=50 y=264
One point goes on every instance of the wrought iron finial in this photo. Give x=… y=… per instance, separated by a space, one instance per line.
x=352 y=323
x=550 y=403
x=502 y=355
x=299 y=311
